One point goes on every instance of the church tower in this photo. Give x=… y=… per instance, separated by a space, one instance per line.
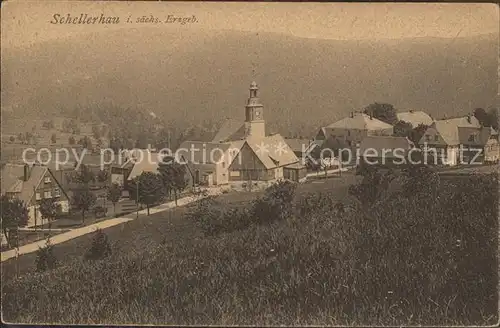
x=255 y=126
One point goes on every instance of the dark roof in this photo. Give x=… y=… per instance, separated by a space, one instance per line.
x=230 y=130
x=384 y=145
x=298 y=145
x=203 y=152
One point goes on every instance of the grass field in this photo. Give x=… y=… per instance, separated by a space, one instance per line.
x=427 y=259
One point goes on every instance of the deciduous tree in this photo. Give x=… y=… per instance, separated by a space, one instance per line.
x=49 y=209
x=83 y=199
x=147 y=189
x=103 y=176
x=114 y=194
x=402 y=129
x=173 y=176
x=14 y=214
x=382 y=111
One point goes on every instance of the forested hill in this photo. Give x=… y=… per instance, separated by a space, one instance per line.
x=191 y=77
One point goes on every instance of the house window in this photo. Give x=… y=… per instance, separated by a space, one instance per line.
x=436 y=137
x=46 y=180
x=348 y=133
x=427 y=137
x=37 y=196
x=47 y=194
x=235 y=173
x=472 y=137
x=57 y=192
x=223 y=165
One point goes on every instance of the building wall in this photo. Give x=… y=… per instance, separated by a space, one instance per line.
x=355 y=136
x=246 y=166
x=297 y=175
x=202 y=170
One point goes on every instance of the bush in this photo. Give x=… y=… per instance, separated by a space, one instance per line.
x=276 y=204
x=45 y=258
x=100 y=247
x=213 y=217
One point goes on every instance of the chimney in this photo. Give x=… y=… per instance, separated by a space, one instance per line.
x=468 y=118
x=27 y=172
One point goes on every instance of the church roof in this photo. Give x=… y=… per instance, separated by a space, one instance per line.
x=230 y=130
x=272 y=151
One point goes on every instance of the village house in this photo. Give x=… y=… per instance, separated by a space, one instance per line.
x=460 y=140
x=31 y=184
x=247 y=155
x=149 y=161
x=209 y=161
x=415 y=118
x=353 y=129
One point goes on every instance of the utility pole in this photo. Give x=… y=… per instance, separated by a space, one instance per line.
x=17 y=252
x=137 y=196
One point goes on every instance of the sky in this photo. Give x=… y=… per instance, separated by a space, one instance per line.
x=26 y=22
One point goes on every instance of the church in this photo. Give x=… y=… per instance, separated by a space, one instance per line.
x=242 y=154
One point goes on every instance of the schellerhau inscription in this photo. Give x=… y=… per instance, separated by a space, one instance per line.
x=85 y=19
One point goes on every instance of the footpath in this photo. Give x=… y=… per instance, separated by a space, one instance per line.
x=75 y=233
x=332 y=171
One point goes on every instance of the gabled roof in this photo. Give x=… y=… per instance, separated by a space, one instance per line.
x=13 y=180
x=377 y=144
x=415 y=118
x=299 y=145
x=200 y=152
x=360 y=121
x=448 y=129
x=272 y=151
x=148 y=163
x=230 y=130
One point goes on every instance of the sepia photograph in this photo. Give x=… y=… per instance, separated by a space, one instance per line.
x=249 y=163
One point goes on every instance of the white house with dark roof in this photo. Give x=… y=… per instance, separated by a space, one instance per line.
x=354 y=128
x=448 y=137
x=31 y=184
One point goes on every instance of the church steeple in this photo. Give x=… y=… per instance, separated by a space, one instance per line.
x=254 y=113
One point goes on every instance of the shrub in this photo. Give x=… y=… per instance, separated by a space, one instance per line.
x=276 y=204
x=213 y=217
x=100 y=247
x=45 y=258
